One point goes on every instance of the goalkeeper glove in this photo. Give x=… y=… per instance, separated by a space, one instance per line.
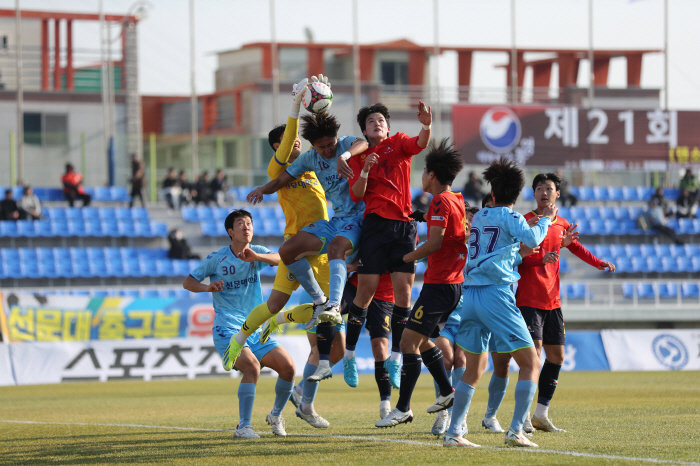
x=418 y=216
x=297 y=93
x=321 y=79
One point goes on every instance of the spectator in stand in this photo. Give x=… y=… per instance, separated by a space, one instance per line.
x=73 y=186
x=171 y=189
x=186 y=188
x=179 y=249
x=472 y=190
x=9 y=210
x=567 y=199
x=203 y=190
x=661 y=201
x=690 y=183
x=656 y=220
x=30 y=204
x=219 y=188
x=138 y=170
x=421 y=202
x=685 y=207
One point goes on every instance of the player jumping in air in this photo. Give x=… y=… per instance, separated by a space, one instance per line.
x=489 y=309
x=381 y=177
x=338 y=237
x=234 y=281
x=446 y=251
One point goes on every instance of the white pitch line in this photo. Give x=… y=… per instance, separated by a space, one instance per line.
x=370 y=439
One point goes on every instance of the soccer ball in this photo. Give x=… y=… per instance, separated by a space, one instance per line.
x=317 y=98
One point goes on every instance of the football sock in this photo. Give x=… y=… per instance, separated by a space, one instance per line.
x=549 y=377
x=497 y=391
x=298 y=314
x=433 y=360
x=382 y=378
x=283 y=390
x=457 y=374
x=437 y=387
x=325 y=333
x=336 y=284
x=410 y=371
x=246 y=397
x=309 y=391
x=303 y=272
x=399 y=317
x=395 y=355
x=356 y=319
x=524 y=393
x=255 y=319
x=463 y=398
x=385 y=404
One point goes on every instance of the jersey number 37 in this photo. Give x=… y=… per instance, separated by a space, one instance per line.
x=476 y=237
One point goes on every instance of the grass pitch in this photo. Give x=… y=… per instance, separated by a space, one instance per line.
x=611 y=418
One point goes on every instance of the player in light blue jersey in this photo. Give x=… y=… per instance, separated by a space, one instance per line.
x=339 y=237
x=489 y=309
x=234 y=281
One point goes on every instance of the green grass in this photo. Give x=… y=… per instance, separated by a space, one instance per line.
x=622 y=418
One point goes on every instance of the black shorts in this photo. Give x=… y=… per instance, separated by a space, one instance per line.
x=382 y=238
x=544 y=325
x=378 y=322
x=435 y=301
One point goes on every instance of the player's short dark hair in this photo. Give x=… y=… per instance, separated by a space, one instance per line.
x=506 y=180
x=317 y=126
x=367 y=111
x=473 y=210
x=231 y=218
x=542 y=177
x=275 y=135
x=487 y=198
x=444 y=161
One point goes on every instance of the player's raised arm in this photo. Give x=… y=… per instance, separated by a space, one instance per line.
x=359 y=185
x=425 y=116
x=532 y=236
x=249 y=255
x=256 y=195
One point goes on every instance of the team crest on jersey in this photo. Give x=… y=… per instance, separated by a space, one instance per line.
x=363 y=156
x=291 y=277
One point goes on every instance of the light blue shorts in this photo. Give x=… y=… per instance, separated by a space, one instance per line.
x=491 y=321
x=222 y=337
x=326 y=230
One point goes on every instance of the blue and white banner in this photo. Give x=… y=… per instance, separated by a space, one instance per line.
x=652 y=350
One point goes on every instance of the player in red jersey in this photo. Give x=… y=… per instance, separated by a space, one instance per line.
x=446 y=250
x=538 y=295
x=381 y=177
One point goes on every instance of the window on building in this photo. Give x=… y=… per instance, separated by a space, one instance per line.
x=46 y=129
x=394 y=73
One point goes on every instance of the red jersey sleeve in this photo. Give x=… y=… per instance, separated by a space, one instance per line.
x=356 y=163
x=438 y=213
x=578 y=250
x=410 y=146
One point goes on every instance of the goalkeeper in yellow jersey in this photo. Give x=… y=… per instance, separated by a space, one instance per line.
x=303 y=202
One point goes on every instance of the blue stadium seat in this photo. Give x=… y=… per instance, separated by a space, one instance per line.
x=575 y=291
x=631 y=194
x=45 y=255
x=664 y=250
x=102 y=194
x=622 y=214
x=56 y=213
x=126 y=228
x=9 y=229
x=160 y=229
x=689 y=226
x=123 y=213
x=205 y=213
x=74 y=214
x=527 y=194
x=91 y=213
x=616 y=193
x=132 y=268
x=624 y=264
x=189 y=214
x=56 y=194
x=180 y=268
x=140 y=213
x=65 y=269
x=586 y=193
x=672 y=193
x=26 y=228
x=27 y=255
x=564 y=265
x=150 y=293
x=164 y=268
x=76 y=228
x=593 y=213
x=646 y=290
x=667 y=290
x=94 y=228
x=211 y=229
x=48 y=269
x=59 y=228
x=633 y=250
x=119 y=194
x=690 y=290
x=608 y=213
x=628 y=290
x=601 y=193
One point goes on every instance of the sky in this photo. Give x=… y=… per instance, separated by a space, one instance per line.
x=227 y=24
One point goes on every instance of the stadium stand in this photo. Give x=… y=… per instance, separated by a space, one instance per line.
x=99 y=193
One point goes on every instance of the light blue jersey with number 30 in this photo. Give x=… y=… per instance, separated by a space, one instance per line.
x=494 y=244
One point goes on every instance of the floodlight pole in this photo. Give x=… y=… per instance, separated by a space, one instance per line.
x=666 y=54
x=356 y=58
x=513 y=58
x=591 y=77
x=20 y=95
x=437 y=116
x=193 y=99
x=275 y=66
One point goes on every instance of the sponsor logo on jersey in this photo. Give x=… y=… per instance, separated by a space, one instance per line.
x=438 y=218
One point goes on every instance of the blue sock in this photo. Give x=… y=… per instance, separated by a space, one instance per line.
x=463 y=398
x=339 y=273
x=283 y=390
x=457 y=374
x=524 y=393
x=497 y=391
x=303 y=272
x=310 y=389
x=246 y=398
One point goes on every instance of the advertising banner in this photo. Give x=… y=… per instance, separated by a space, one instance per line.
x=33 y=317
x=576 y=137
x=149 y=359
x=652 y=350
